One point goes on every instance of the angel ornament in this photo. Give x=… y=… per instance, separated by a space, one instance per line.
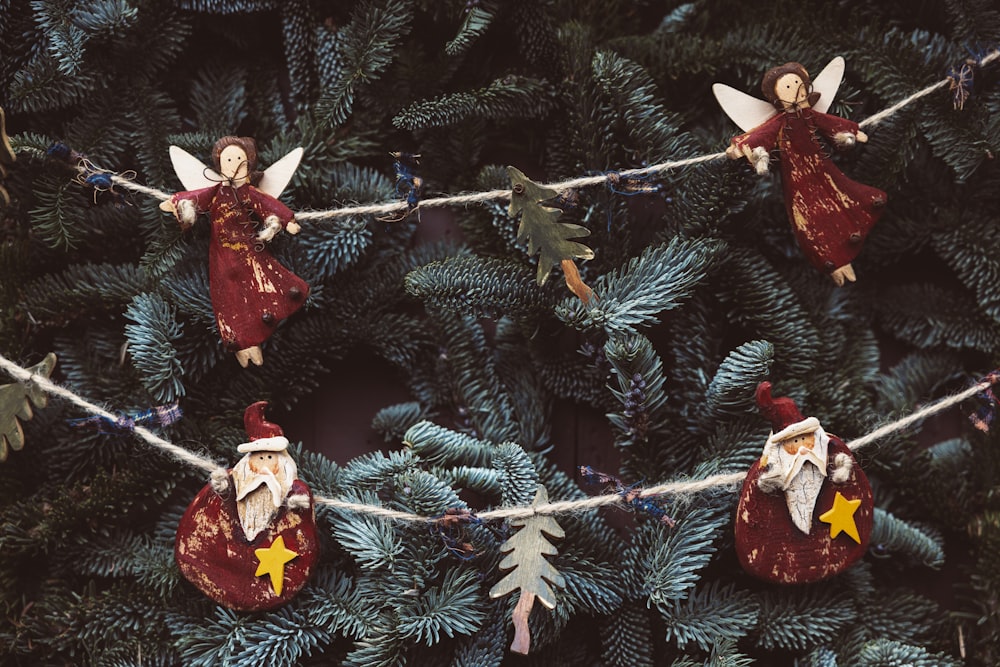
x=251 y=292
x=831 y=215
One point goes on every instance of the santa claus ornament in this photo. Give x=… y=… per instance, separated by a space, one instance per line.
x=831 y=215
x=248 y=540
x=251 y=291
x=805 y=510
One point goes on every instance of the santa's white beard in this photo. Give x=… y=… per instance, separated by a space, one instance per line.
x=801 y=495
x=256 y=510
x=260 y=495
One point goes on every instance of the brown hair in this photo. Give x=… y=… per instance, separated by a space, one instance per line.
x=249 y=147
x=771 y=79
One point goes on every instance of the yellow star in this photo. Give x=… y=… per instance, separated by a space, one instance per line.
x=841 y=517
x=272 y=562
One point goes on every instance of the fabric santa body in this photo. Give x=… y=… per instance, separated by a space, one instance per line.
x=214 y=554
x=213 y=549
x=770 y=547
x=831 y=534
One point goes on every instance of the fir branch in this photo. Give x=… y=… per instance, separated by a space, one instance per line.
x=89 y=286
x=367 y=44
x=789 y=621
x=671 y=564
x=453 y=608
x=893 y=536
x=888 y=653
x=633 y=295
x=151 y=346
x=508 y=98
x=653 y=132
x=479 y=287
x=440 y=446
x=476 y=22
x=627 y=638
x=715 y=613
x=731 y=391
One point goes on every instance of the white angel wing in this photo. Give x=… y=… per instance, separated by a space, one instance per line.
x=192 y=172
x=745 y=110
x=277 y=176
x=827 y=82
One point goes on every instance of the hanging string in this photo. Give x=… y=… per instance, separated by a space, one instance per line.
x=582 y=182
x=677 y=488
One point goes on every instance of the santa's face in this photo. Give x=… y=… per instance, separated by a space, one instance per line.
x=798 y=442
x=265 y=462
x=263 y=480
x=797 y=467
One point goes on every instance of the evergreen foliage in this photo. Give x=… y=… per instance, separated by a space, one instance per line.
x=700 y=292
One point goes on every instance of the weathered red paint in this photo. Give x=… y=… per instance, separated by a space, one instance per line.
x=251 y=291
x=830 y=214
x=770 y=547
x=214 y=554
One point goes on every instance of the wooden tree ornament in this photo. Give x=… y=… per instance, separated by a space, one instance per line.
x=15 y=406
x=532 y=574
x=805 y=511
x=546 y=235
x=830 y=214
x=251 y=292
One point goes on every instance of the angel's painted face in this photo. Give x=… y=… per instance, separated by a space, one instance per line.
x=233 y=163
x=790 y=89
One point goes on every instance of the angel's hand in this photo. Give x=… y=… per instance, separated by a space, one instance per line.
x=759 y=158
x=271 y=227
x=862 y=137
x=167 y=206
x=733 y=152
x=293 y=228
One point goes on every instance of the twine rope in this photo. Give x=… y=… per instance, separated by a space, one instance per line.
x=581 y=182
x=676 y=488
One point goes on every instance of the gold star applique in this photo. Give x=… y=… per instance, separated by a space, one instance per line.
x=841 y=517
x=272 y=562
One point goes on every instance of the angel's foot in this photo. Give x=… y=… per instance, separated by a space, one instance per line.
x=246 y=355
x=843 y=274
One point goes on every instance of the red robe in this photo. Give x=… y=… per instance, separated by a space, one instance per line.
x=830 y=214
x=214 y=554
x=771 y=547
x=251 y=292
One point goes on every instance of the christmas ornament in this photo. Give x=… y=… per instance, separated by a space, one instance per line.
x=248 y=540
x=251 y=292
x=7 y=157
x=830 y=214
x=805 y=510
x=545 y=235
x=15 y=404
x=532 y=574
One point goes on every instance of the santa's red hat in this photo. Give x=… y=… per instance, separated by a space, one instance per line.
x=265 y=436
x=786 y=420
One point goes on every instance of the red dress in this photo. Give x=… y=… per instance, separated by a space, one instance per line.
x=830 y=214
x=251 y=292
x=214 y=554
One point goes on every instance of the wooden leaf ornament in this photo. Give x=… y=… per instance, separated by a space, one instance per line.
x=532 y=574
x=7 y=157
x=249 y=540
x=545 y=235
x=830 y=214
x=251 y=291
x=15 y=406
x=805 y=511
